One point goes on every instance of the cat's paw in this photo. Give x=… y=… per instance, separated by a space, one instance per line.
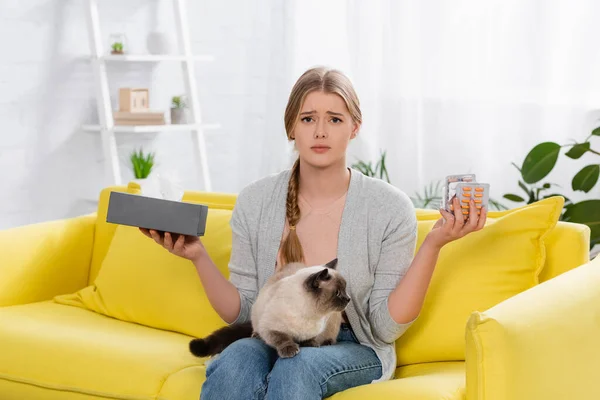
x=288 y=350
x=328 y=342
x=255 y=335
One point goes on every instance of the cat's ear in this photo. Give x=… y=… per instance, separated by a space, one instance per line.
x=314 y=280
x=324 y=275
x=332 y=264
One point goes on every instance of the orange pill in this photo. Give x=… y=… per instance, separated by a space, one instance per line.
x=467 y=194
x=479 y=189
x=478 y=201
x=465 y=200
x=478 y=194
x=466 y=188
x=465 y=206
x=465 y=211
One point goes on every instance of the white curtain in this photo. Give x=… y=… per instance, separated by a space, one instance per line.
x=450 y=87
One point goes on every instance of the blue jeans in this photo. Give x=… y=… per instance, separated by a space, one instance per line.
x=250 y=369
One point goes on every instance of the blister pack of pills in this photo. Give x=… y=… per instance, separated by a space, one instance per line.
x=465 y=188
x=478 y=192
x=450 y=187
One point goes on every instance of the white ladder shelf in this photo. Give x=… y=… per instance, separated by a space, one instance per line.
x=106 y=125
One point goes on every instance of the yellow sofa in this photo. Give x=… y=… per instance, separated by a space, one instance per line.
x=541 y=343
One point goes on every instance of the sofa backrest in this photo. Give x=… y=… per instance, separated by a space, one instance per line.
x=567 y=246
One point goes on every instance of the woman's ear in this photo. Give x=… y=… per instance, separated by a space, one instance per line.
x=355 y=130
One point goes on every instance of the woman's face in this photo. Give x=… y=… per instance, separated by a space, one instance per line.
x=323 y=130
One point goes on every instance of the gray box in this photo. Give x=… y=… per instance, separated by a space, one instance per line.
x=158 y=214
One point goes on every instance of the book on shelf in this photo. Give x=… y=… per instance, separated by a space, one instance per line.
x=139 y=118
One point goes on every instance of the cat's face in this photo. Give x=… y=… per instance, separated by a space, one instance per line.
x=327 y=286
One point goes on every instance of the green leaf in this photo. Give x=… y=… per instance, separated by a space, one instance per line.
x=585 y=179
x=586 y=212
x=596 y=132
x=529 y=192
x=578 y=150
x=496 y=205
x=514 y=197
x=540 y=161
x=384 y=168
x=142 y=163
x=430 y=196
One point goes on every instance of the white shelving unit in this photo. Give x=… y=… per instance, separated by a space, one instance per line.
x=154 y=58
x=151 y=128
x=106 y=126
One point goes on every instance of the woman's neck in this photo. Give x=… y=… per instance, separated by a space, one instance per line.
x=323 y=185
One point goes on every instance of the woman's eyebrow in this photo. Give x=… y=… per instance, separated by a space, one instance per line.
x=328 y=112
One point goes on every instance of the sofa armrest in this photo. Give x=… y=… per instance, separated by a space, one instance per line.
x=40 y=261
x=543 y=343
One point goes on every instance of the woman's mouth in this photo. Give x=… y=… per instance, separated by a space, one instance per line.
x=320 y=149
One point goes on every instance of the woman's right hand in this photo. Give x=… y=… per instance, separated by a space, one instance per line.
x=186 y=246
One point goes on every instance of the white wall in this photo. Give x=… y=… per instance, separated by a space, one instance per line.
x=50 y=168
x=466 y=87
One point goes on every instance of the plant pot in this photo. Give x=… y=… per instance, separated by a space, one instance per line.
x=178 y=116
x=117 y=43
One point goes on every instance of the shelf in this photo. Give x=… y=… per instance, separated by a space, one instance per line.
x=153 y=58
x=152 y=128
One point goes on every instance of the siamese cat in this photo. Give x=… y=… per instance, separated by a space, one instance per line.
x=297 y=306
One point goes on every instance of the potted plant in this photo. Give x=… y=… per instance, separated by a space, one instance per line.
x=537 y=165
x=117 y=43
x=117 y=48
x=178 y=107
x=141 y=163
x=379 y=171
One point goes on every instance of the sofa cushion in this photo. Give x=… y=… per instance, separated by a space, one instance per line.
x=429 y=381
x=54 y=351
x=105 y=231
x=142 y=282
x=51 y=350
x=474 y=274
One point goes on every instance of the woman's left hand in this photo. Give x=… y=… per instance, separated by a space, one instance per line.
x=453 y=226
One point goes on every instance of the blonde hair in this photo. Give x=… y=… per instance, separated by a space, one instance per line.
x=314 y=79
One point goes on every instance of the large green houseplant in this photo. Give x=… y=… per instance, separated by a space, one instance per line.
x=541 y=160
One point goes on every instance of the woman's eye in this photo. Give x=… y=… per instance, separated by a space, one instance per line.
x=307 y=119
x=336 y=120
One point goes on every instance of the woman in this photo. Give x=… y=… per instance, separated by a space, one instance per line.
x=315 y=212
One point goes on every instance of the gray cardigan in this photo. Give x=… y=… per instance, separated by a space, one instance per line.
x=376 y=244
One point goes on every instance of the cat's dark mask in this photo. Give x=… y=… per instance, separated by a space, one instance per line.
x=329 y=288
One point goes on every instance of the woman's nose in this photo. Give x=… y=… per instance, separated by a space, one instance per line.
x=320 y=132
